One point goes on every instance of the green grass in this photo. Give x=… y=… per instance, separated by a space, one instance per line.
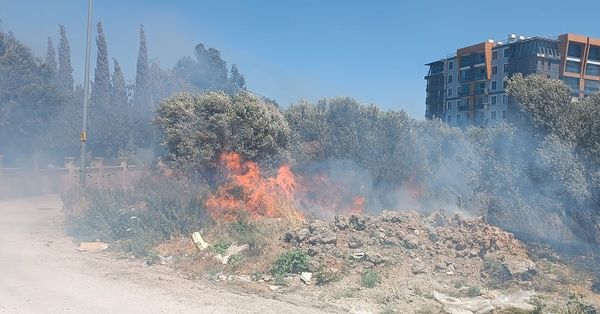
x=370 y=278
x=290 y=262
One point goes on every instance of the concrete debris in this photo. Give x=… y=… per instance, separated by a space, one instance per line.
x=518 y=301
x=199 y=242
x=92 y=246
x=305 y=277
x=416 y=244
x=274 y=287
x=166 y=260
x=358 y=254
x=232 y=250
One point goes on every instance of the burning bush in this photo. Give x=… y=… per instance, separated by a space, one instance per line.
x=246 y=190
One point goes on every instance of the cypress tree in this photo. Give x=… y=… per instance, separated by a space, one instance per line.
x=101 y=88
x=64 y=77
x=141 y=96
x=51 y=56
x=119 y=91
x=237 y=79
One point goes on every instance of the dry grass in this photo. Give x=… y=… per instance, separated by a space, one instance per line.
x=177 y=247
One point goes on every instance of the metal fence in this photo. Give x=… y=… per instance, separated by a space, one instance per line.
x=29 y=181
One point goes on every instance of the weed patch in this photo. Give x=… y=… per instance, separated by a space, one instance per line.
x=370 y=278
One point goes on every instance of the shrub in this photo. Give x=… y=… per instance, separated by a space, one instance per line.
x=280 y=280
x=473 y=291
x=290 y=262
x=325 y=275
x=370 y=278
x=197 y=129
x=137 y=217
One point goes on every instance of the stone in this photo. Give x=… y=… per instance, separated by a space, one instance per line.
x=522 y=269
x=341 y=222
x=418 y=268
x=358 y=222
x=440 y=267
x=274 y=287
x=305 y=277
x=374 y=258
x=302 y=234
x=266 y=277
x=288 y=236
x=328 y=238
x=390 y=241
x=316 y=225
x=313 y=265
x=411 y=241
x=354 y=243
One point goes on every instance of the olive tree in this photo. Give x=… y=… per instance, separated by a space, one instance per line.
x=198 y=128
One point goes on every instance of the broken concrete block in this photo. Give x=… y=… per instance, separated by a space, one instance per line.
x=305 y=277
x=200 y=243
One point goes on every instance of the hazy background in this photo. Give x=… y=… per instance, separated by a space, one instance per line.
x=290 y=50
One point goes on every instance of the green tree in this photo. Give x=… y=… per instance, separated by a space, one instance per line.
x=141 y=96
x=28 y=99
x=237 y=79
x=64 y=77
x=50 y=59
x=101 y=88
x=199 y=128
x=119 y=98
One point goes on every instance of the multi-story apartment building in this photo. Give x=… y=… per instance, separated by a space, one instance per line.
x=468 y=88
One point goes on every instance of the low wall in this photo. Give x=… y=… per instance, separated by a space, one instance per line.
x=22 y=182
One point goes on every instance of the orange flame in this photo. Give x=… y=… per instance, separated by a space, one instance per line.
x=247 y=190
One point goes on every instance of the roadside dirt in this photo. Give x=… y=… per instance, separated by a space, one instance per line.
x=41 y=272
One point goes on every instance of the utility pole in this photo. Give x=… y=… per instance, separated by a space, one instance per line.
x=86 y=97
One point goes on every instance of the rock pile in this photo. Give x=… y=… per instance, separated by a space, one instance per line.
x=437 y=243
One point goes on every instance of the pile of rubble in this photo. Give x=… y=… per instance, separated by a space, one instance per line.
x=437 y=243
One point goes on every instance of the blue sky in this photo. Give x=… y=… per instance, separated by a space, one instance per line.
x=373 y=51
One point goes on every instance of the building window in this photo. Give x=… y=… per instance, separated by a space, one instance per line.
x=573 y=66
x=504 y=99
x=457 y=118
x=494 y=55
x=592 y=69
x=504 y=84
x=449 y=105
x=495 y=70
x=503 y=114
x=449 y=91
x=505 y=68
x=494 y=99
x=574 y=50
x=505 y=52
x=450 y=65
x=458 y=104
x=594 y=53
x=450 y=78
x=494 y=83
x=449 y=119
x=493 y=115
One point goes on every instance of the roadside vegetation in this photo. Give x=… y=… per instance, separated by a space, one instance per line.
x=535 y=174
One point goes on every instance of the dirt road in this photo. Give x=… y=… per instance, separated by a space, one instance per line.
x=41 y=272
